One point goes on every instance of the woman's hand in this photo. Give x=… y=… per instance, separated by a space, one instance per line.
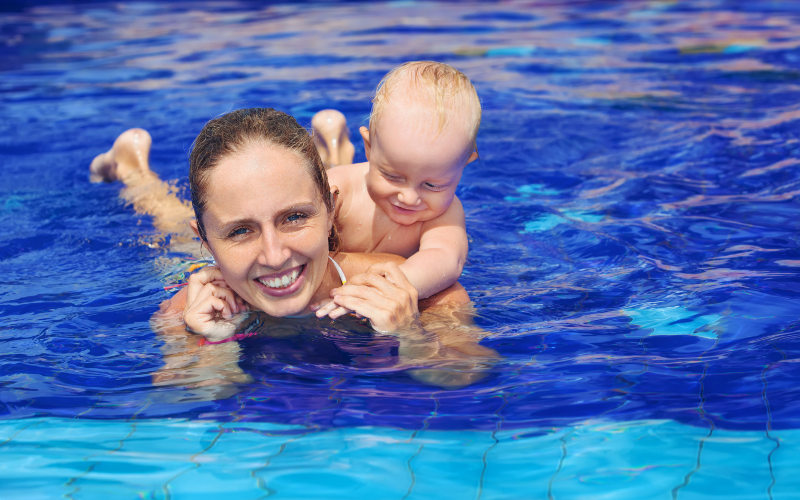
x=211 y=305
x=383 y=295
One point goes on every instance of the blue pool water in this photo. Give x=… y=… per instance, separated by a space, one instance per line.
x=634 y=226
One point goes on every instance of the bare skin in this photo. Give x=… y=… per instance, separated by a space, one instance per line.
x=332 y=138
x=374 y=213
x=443 y=335
x=402 y=200
x=128 y=162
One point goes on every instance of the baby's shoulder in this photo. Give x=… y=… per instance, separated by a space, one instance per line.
x=347 y=181
x=346 y=176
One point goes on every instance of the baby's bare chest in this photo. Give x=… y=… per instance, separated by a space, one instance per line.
x=369 y=230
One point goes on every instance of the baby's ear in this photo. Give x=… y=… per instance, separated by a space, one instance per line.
x=336 y=199
x=472 y=157
x=365 y=135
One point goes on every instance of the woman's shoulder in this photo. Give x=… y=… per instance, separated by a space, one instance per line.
x=174 y=304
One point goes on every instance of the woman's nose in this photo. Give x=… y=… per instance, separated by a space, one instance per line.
x=273 y=252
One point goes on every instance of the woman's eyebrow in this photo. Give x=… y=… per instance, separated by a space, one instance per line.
x=310 y=207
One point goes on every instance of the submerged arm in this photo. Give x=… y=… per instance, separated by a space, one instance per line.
x=441 y=338
x=187 y=363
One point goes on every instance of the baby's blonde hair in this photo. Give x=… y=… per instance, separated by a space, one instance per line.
x=450 y=88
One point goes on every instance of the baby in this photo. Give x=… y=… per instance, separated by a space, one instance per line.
x=422 y=130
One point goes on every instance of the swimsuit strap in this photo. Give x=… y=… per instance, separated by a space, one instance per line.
x=338 y=270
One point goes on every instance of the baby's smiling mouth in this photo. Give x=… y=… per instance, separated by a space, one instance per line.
x=282 y=280
x=404 y=209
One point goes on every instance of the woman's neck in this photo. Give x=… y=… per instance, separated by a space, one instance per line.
x=330 y=281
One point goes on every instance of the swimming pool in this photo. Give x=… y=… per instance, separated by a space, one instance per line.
x=634 y=254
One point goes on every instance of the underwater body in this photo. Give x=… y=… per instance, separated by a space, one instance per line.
x=633 y=223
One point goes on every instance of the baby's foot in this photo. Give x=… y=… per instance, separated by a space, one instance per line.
x=329 y=130
x=126 y=161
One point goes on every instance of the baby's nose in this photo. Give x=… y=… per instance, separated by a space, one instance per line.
x=408 y=196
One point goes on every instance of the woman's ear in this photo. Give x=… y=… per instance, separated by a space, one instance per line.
x=193 y=224
x=365 y=135
x=332 y=213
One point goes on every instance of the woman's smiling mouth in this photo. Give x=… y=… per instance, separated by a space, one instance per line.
x=284 y=283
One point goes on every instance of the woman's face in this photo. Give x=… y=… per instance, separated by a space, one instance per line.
x=267 y=227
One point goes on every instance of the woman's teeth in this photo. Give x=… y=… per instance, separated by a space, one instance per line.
x=283 y=281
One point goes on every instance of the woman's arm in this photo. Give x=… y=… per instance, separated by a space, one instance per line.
x=212 y=368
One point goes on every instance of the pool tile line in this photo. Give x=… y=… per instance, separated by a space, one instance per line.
x=254 y=473
x=563 y=444
x=704 y=416
x=557 y=463
x=71 y=481
x=417 y=432
x=495 y=441
x=19 y=431
x=193 y=459
x=768 y=428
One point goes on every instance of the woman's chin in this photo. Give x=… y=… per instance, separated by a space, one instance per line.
x=296 y=306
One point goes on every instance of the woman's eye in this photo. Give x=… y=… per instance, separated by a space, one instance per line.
x=239 y=231
x=296 y=218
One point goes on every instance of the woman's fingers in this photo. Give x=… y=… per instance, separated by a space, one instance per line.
x=391 y=271
x=198 y=279
x=210 y=311
x=213 y=300
x=389 y=279
x=387 y=299
x=325 y=308
x=331 y=309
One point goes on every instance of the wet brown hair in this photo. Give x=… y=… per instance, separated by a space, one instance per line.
x=230 y=132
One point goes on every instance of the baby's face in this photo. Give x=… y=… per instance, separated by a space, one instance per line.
x=413 y=168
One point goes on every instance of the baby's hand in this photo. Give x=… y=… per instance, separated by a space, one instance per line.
x=211 y=305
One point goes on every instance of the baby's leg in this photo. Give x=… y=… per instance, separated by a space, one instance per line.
x=128 y=161
x=332 y=138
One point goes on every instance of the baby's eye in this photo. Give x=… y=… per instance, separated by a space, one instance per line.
x=391 y=177
x=435 y=187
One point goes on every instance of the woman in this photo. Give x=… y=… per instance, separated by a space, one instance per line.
x=264 y=211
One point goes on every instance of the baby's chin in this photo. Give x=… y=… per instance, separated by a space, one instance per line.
x=412 y=218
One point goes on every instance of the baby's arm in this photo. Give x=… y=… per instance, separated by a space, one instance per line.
x=442 y=253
